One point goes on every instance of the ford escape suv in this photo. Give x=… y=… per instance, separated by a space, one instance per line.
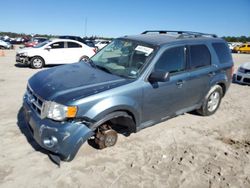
x=133 y=83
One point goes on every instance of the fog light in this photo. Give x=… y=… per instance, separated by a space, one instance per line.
x=50 y=142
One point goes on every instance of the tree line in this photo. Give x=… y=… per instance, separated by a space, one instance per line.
x=237 y=39
x=15 y=35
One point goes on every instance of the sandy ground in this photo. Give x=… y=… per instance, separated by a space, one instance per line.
x=187 y=151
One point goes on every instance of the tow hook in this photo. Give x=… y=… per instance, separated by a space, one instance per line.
x=105 y=136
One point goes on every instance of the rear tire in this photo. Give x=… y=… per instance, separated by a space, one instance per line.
x=84 y=58
x=211 y=102
x=37 y=62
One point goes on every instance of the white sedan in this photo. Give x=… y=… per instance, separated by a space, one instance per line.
x=56 y=51
x=101 y=44
x=243 y=74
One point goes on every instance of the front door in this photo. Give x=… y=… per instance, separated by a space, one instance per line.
x=163 y=99
x=56 y=54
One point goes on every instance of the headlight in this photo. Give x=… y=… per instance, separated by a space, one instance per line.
x=242 y=70
x=57 y=111
x=23 y=54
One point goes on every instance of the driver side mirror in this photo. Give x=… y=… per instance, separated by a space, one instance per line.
x=158 y=76
x=48 y=48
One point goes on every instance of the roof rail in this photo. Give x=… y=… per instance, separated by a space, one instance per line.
x=182 y=34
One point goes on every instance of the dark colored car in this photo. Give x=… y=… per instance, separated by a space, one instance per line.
x=72 y=38
x=132 y=83
x=90 y=43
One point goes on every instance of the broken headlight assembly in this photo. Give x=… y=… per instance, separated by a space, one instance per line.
x=58 y=112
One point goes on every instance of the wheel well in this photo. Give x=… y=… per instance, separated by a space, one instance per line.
x=223 y=86
x=37 y=56
x=122 y=122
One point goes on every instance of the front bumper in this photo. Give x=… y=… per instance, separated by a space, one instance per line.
x=65 y=137
x=243 y=78
x=22 y=59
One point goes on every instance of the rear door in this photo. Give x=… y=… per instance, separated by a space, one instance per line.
x=74 y=51
x=200 y=73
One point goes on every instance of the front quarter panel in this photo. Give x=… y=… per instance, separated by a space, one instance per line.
x=125 y=98
x=109 y=105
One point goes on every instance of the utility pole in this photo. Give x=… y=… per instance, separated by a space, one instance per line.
x=85 y=26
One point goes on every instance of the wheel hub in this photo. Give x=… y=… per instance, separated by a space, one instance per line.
x=105 y=136
x=213 y=101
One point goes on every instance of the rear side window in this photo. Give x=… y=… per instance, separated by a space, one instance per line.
x=222 y=52
x=172 y=60
x=73 y=45
x=199 y=56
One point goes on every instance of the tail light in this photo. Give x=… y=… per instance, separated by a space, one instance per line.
x=94 y=49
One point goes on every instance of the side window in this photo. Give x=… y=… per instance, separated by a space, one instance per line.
x=172 y=60
x=248 y=45
x=57 y=45
x=222 y=52
x=199 y=56
x=73 y=45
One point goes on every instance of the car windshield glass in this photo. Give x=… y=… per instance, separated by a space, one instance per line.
x=124 y=58
x=39 y=45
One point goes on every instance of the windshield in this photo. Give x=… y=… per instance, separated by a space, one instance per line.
x=39 y=45
x=123 y=58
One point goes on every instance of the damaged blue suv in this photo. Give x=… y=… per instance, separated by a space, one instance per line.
x=133 y=83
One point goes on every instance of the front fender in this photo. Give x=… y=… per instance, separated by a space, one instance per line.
x=109 y=105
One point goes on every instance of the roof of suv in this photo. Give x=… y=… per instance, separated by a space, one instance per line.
x=163 y=37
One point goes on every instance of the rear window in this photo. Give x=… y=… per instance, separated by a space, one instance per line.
x=74 y=45
x=199 y=56
x=222 y=52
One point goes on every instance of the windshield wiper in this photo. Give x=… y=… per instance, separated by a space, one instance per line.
x=90 y=62
x=103 y=68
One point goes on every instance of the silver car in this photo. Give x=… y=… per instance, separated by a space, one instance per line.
x=5 y=45
x=243 y=74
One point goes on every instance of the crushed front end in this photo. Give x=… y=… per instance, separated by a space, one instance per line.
x=61 y=138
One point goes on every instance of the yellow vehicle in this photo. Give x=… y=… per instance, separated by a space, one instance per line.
x=244 y=48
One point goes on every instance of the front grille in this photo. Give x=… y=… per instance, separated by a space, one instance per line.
x=247 y=71
x=239 y=78
x=35 y=101
x=247 y=80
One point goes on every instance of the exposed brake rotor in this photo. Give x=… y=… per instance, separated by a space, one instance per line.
x=105 y=136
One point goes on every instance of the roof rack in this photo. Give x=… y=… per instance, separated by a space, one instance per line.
x=182 y=34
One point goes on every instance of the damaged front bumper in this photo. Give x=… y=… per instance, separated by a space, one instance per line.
x=22 y=59
x=62 y=139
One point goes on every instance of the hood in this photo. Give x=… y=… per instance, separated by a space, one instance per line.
x=245 y=65
x=71 y=82
x=27 y=49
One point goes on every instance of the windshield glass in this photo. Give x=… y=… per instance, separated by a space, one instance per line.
x=123 y=58
x=39 y=45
